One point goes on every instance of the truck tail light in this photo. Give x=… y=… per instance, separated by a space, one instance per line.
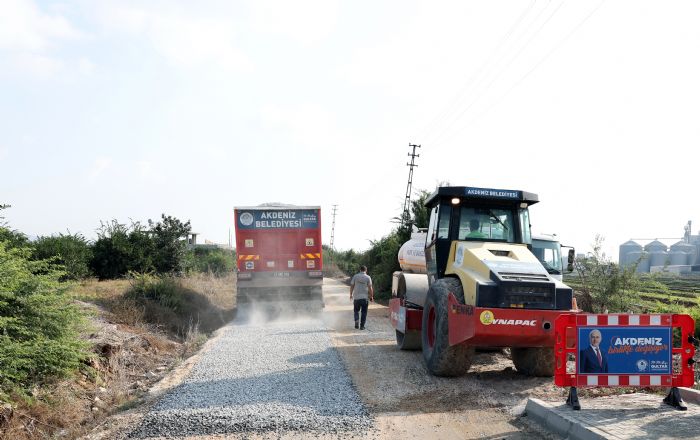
x=244 y=275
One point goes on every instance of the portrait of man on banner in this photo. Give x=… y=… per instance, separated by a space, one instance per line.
x=592 y=357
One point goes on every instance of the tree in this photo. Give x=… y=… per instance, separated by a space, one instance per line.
x=417 y=218
x=72 y=251
x=121 y=249
x=39 y=324
x=112 y=252
x=382 y=260
x=605 y=286
x=12 y=238
x=421 y=214
x=170 y=243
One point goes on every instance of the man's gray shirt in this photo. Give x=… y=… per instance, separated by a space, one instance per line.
x=362 y=283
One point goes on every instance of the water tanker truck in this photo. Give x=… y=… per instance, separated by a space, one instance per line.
x=548 y=250
x=279 y=254
x=476 y=283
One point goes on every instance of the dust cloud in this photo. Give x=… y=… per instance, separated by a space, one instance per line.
x=260 y=313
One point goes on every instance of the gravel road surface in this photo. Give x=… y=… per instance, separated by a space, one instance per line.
x=272 y=377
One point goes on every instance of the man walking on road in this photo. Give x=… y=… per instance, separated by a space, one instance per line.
x=361 y=288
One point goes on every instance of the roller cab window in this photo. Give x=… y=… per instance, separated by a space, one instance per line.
x=486 y=224
x=439 y=226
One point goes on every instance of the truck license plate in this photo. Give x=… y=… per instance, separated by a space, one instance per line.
x=281 y=274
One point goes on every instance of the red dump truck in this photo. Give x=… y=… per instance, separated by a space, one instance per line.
x=279 y=253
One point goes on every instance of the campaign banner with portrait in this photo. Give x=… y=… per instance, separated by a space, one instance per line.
x=624 y=350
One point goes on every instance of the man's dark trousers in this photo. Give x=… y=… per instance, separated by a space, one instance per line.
x=361 y=304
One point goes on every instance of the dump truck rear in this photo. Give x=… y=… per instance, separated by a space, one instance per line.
x=279 y=257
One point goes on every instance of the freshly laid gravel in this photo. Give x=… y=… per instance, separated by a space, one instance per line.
x=277 y=377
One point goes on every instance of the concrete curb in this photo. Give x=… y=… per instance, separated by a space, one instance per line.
x=566 y=427
x=690 y=395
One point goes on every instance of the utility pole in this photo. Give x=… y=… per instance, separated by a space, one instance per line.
x=335 y=207
x=406 y=216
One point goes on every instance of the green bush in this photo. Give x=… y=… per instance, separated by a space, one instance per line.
x=161 y=290
x=121 y=249
x=605 y=286
x=382 y=261
x=346 y=261
x=168 y=244
x=71 y=251
x=39 y=325
x=13 y=239
x=168 y=304
x=113 y=253
x=216 y=261
x=674 y=307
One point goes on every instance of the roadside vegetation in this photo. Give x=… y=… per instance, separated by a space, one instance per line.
x=602 y=286
x=86 y=327
x=381 y=257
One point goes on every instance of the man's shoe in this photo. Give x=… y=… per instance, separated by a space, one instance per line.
x=362 y=328
x=357 y=325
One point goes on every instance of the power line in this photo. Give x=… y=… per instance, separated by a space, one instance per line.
x=449 y=108
x=529 y=72
x=496 y=72
x=498 y=75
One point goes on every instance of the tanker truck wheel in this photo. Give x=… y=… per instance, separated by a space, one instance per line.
x=534 y=361
x=409 y=340
x=441 y=358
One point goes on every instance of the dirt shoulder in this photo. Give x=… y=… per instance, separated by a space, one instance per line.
x=407 y=402
x=141 y=361
x=133 y=361
x=123 y=420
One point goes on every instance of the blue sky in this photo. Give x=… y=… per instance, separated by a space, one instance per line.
x=126 y=110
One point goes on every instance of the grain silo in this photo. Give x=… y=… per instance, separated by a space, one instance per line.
x=641 y=259
x=677 y=258
x=654 y=246
x=626 y=249
x=688 y=251
x=657 y=253
x=658 y=258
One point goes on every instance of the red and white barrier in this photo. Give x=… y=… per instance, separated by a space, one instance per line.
x=566 y=344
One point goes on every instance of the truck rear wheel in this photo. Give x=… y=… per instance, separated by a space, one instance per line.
x=534 y=361
x=441 y=358
x=411 y=340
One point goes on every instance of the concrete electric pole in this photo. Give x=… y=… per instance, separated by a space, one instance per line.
x=406 y=215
